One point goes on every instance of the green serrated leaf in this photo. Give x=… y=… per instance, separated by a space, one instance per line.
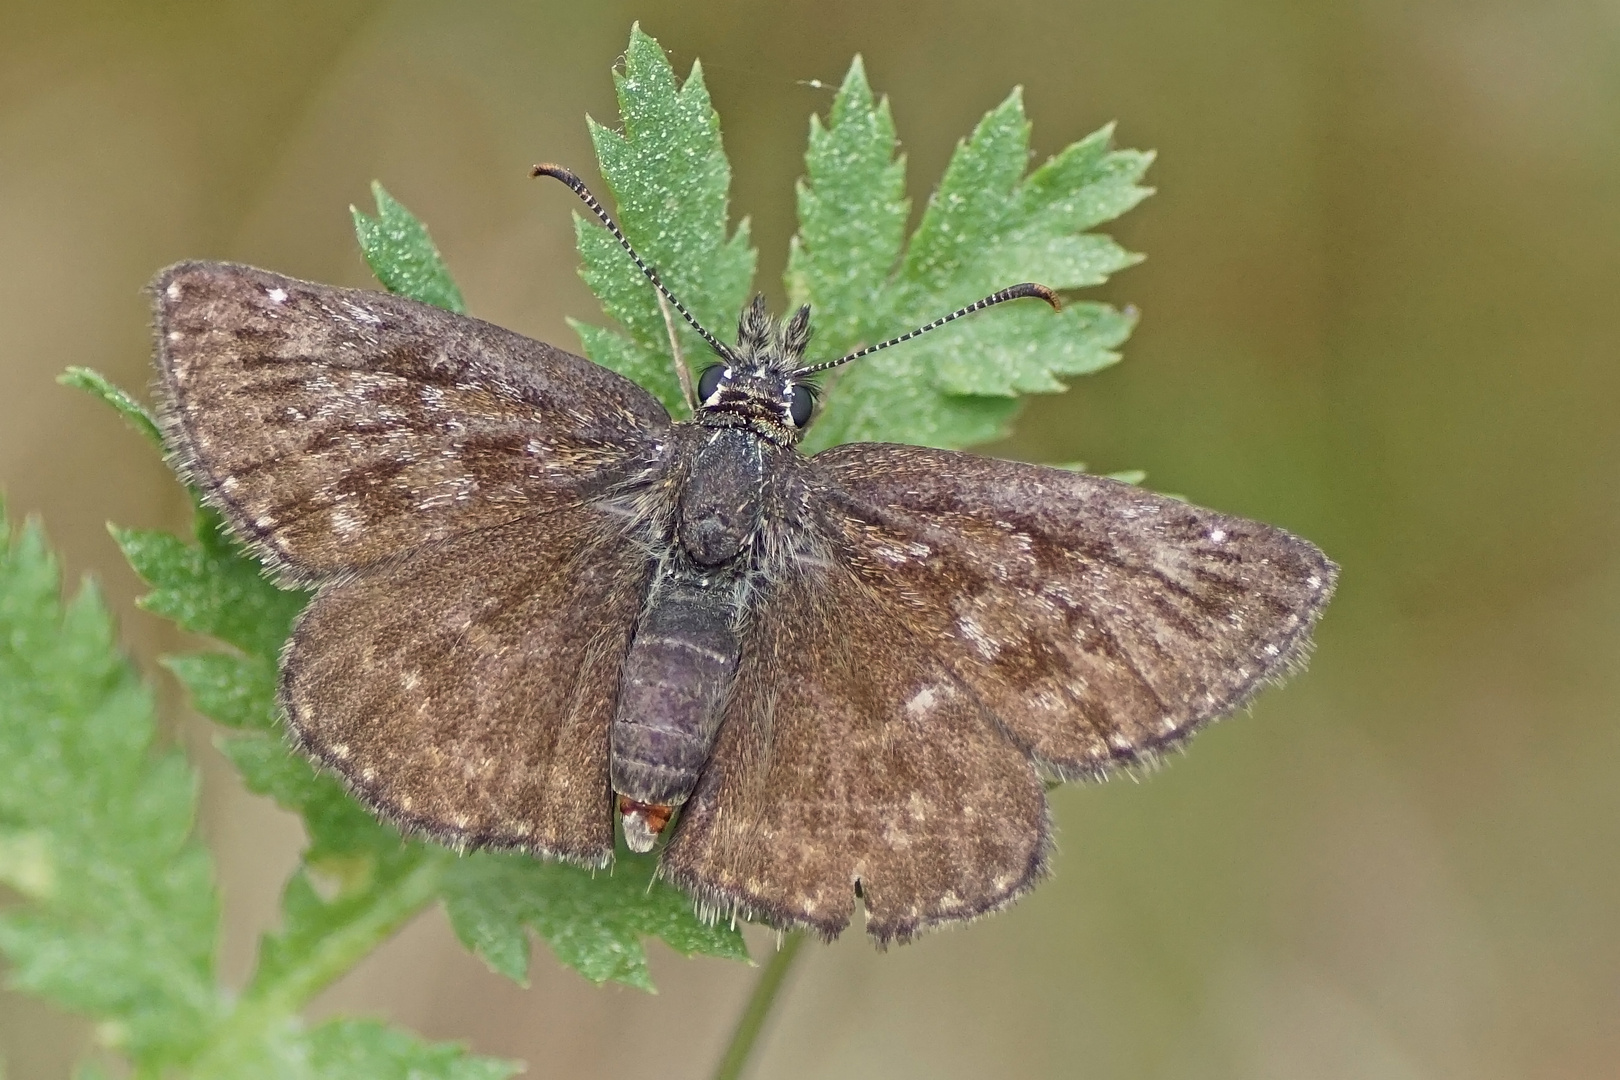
x=401 y=254
x=893 y=401
x=1079 y=340
x=977 y=195
x=236 y=691
x=339 y=828
x=984 y=228
x=1087 y=183
x=95 y=383
x=211 y=588
x=593 y=920
x=95 y=825
x=320 y=937
x=671 y=182
x=852 y=216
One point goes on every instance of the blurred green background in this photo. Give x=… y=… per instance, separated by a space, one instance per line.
x=1380 y=309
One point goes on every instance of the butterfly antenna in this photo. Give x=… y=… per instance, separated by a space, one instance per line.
x=557 y=172
x=1014 y=292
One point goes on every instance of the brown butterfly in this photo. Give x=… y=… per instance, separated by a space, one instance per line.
x=541 y=599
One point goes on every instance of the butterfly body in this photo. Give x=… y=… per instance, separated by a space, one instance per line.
x=688 y=640
x=539 y=598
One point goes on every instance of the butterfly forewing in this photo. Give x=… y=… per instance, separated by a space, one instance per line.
x=335 y=427
x=1099 y=622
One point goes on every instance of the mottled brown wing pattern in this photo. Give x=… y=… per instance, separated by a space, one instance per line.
x=851 y=758
x=923 y=631
x=466 y=690
x=473 y=506
x=940 y=626
x=1097 y=621
x=335 y=428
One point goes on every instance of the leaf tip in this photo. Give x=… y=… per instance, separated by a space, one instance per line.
x=855 y=79
x=98 y=385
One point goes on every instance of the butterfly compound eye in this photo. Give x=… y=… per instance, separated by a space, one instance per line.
x=709 y=381
x=802 y=405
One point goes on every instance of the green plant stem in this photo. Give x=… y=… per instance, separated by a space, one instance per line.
x=758 y=1009
x=272 y=1003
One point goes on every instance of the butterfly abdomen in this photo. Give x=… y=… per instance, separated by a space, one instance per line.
x=675 y=679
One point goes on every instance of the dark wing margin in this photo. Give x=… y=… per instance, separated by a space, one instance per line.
x=335 y=428
x=466 y=690
x=1100 y=623
x=851 y=759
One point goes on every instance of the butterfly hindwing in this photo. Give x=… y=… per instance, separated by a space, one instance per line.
x=849 y=757
x=466 y=690
x=336 y=428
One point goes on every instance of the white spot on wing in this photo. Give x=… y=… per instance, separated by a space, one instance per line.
x=175 y=335
x=277 y=295
x=346 y=521
x=1217 y=535
x=970 y=628
x=922 y=702
x=1314 y=582
x=361 y=313
x=898 y=556
x=173 y=291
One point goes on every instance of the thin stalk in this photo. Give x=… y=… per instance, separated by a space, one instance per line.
x=274 y=1002
x=758 y=1009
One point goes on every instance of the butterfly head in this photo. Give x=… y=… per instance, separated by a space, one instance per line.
x=757 y=382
